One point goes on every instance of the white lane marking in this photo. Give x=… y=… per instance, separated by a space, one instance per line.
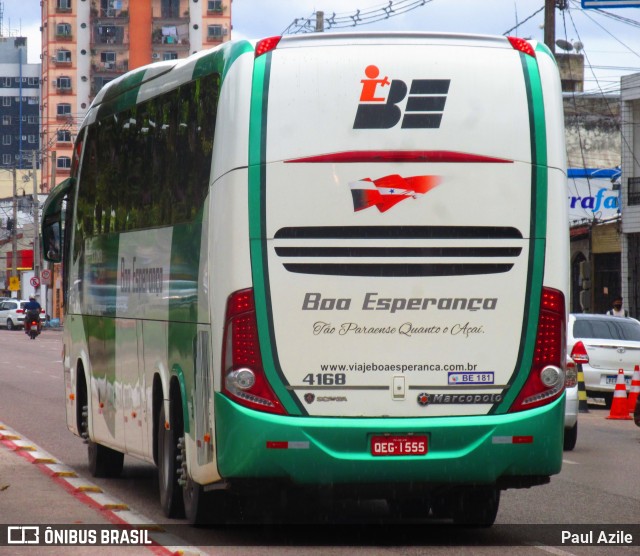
x=570 y=462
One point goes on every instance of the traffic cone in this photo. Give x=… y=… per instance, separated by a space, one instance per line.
x=634 y=391
x=583 y=406
x=619 y=404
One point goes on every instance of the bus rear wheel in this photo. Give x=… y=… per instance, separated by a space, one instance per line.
x=168 y=452
x=103 y=462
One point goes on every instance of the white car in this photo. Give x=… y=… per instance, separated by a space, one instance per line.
x=603 y=345
x=12 y=313
x=571 y=405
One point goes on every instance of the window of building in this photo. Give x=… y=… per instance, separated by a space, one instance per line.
x=63 y=29
x=6 y=139
x=63 y=4
x=33 y=101
x=170 y=56
x=63 y=56
x=214 y=6
x=64 y=109
x=32 y=119
x=31 y=139
x=33 y=81
x=6 y=159
x=214 y=31
x=6 y=101
x=8 y=82
x=6 y=120
x=633 y=191
x=107 y=34
x=63 y=162
x=63 y=82
x=64 y=136
x=108 y=59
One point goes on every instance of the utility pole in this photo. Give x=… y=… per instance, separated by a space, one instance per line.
x=550 y=24
x=14 y=227
x=53 y=170
x=36 y=219
x=319 y=22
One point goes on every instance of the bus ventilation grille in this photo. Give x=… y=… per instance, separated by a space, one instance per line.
x=394 y=251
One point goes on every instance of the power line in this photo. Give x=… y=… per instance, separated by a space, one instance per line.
x=353 y=19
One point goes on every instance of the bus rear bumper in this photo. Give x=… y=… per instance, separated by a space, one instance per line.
x=515 y=450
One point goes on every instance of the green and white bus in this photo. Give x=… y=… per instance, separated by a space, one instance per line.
x=334 y=260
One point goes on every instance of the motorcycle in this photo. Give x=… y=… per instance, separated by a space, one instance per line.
x=32 y=324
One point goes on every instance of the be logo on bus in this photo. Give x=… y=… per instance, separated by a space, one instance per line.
x=379 y=99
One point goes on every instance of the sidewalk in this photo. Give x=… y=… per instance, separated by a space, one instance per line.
x=35 y=489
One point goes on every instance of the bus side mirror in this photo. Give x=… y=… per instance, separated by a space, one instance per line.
x=51 y=234
x=52 y=218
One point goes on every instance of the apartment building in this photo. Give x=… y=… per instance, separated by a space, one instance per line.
x=19 y=105
x=630 y=94
x=87 y=43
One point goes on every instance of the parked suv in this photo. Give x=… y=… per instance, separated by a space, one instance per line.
x=12 y=313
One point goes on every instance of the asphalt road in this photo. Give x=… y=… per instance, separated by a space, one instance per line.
x=599 y=484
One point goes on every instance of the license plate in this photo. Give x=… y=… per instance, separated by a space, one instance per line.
x=612 y=379
x=405 y=445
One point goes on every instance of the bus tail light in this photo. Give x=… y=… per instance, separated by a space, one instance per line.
x=243 y=377
x=522 y=45
x=546 y=378
x=266 y=45
x=579 y=353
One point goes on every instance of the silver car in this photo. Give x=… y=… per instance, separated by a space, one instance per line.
x=603 y=345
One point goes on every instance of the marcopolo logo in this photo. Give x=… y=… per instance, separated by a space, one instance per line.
x=379 y=99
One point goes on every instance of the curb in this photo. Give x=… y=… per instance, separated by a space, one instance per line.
x=115 y=511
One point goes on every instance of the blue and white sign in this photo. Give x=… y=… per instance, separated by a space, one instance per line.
x=592 y=199
x=610 y=4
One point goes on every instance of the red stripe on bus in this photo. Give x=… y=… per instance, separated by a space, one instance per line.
x=400 y=156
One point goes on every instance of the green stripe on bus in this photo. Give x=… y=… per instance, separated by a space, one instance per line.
x=537 y=231
x=220 y=61
x=257 y=232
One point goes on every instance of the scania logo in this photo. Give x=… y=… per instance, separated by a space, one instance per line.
x=309 y=398
x=424 y=107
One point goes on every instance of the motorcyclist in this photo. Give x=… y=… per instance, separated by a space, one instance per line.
x=32 y=310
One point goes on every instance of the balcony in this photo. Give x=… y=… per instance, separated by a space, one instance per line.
x=171 y=35
x=110 y=67
x=109 y=13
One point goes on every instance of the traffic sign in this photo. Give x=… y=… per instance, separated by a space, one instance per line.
x=35 y=281
x=14 y=284
x=45 y=274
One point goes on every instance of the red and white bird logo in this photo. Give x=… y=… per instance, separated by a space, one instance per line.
x=388 y=191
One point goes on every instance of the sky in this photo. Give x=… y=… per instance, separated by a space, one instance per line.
x=612 y=48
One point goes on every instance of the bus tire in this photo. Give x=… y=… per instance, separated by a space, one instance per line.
x=168 y=451
x=570 y=438
x=477 y=506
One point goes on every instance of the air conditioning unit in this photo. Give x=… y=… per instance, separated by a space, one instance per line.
x=155 y=56
x=225 y=31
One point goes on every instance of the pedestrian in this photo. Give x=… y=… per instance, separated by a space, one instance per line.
x=616 y=309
